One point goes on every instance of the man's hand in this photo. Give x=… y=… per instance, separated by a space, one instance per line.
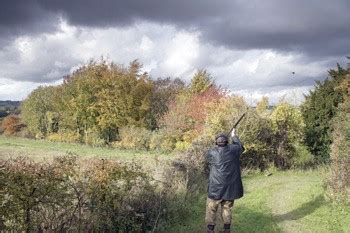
x=233 y=132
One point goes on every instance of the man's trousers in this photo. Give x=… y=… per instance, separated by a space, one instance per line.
x=212 y=208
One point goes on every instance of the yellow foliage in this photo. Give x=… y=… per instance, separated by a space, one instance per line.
x=182 y=146
x=133 y=138
x=70 y=137
x=287 y=117
x=221 y=114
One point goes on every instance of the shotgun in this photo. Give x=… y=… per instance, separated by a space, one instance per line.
x=235 y=125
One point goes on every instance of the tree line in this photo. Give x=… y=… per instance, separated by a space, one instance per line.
x=108 y=104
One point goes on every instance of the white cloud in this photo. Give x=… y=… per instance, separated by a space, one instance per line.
x=163 y=49
x=19 y=90
x=181 y=54
x=294 y=95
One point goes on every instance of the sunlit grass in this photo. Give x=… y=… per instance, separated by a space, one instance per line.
x=291 y=201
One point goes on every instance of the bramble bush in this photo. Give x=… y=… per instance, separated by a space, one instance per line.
x=94 y=195
x=338 y=180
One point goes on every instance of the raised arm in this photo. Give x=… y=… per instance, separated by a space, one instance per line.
x=235 y=140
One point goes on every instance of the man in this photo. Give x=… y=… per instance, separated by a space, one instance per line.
x=225 y=183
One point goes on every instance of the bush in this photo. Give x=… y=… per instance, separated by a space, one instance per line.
x=93 y=138
x=24 y=133
x=92 y=196
x=164 y=140
x=256 y=156
x=302 y=157
x=133 y=138
x=338 y=180
x=182 y=146
x=12 y=125
x=69 y=137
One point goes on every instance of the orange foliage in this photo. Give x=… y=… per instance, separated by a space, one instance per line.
x=197 y=106
x=11 y=125
x=188 y=113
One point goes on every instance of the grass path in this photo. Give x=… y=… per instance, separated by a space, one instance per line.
x=284 y=202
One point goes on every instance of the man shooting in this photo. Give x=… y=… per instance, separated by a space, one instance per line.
x=225 y=183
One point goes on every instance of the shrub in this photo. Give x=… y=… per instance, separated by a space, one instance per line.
x=68 y=195
x=12 y=125
x=302 y=157
x=256 y=156
x=164 y=139
x=69 y=137
x=24 y=133
x=338 y=180
x=93 y=138
x=134 y=138
x=182 y=146
x=288 y=128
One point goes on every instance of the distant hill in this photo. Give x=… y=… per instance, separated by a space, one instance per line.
x=9 y=107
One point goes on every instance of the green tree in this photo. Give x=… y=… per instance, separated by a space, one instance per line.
x=319 y=108
x=201 y=82
x=35 y=107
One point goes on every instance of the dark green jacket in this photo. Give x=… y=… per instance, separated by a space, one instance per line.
x=225 y=182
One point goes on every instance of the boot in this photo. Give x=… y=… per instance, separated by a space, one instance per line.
x=227 y=228
x=211 y=228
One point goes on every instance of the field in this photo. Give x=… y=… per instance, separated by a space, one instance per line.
x=290 y=201
x=45 y=150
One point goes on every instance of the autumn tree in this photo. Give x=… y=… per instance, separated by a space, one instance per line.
x=188 y=112
x=94 y=101
x=164 y=91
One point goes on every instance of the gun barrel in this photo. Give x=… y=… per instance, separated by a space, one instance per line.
x=235 y=125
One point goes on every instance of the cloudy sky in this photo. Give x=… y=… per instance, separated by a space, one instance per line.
x=251 y=47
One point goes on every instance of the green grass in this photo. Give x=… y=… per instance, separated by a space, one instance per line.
x=290 y=201
x=42 y=149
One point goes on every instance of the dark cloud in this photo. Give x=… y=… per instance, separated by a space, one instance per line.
x=317 y=27
x=21 y=17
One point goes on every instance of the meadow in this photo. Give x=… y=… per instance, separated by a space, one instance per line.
x=286 y=201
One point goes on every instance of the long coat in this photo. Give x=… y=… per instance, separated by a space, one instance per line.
x=225 y=182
